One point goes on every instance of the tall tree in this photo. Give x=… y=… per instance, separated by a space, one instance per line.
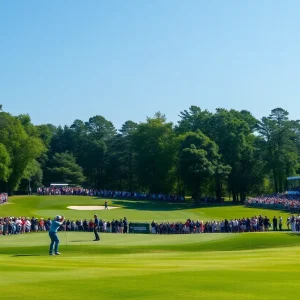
x=198 y=161
x=62 y=167
x=280 y=148
x=192 y=120
x=32 y=177
x=233 y=132
x=100 y=128
x=21 y=147
x=5 y=159
x=121 y=168
x=153 y=143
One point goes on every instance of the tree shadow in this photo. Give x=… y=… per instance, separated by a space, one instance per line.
x=294 y=233
x=157 y=205
x=161 y=205
x=150 y=205
x=282 y=210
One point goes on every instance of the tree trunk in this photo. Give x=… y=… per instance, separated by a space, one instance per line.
x=280 y=183
x=130 y=171
x=275 y=181
x=234 y=196
x=218 y=188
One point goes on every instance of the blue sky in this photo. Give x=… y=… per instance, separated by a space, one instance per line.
x=126 y=60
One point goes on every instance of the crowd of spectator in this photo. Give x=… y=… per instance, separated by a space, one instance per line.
x=22 y=225
x=282 y=201
x=210 y=200
x=108 y=194
x=3 y=198
x=253 y=224
x=12 y=225
x=295 y=189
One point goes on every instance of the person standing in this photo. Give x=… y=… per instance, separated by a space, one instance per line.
x=274 y=224
x=288 y=220
x=266 y=223
x=96 y=226
x=120 y=226
x=57 y=222
x=105 y=204
x=125 y=223
x=226 y=225
x=292 y=222
x=280 y=223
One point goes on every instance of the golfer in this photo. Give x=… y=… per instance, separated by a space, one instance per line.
x=96 y=226
x=57 y=222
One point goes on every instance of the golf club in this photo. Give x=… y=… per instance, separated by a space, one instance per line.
x=66 y=237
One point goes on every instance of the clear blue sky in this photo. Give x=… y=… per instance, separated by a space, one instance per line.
x=125 y=60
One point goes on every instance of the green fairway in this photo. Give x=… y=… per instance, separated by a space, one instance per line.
x=49 y=206
x=208 y=266
x=194 y=266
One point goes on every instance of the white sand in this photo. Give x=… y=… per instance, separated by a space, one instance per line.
x=90 y=207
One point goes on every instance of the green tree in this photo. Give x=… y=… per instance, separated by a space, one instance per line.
x=192 y=120
x=30 y=129
x=21 y=147
x=121 y=167
x=198 y=161
x=4 y=163
x=280 y=136
x=100 y=128
x=233 y=132
x=153 y=143
x=62 y=167
x=46 y=133
x=32 y=177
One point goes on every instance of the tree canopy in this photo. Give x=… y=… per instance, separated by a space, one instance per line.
x=216 y=154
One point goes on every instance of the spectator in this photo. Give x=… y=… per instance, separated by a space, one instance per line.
x=3 y=198
x=110 y=194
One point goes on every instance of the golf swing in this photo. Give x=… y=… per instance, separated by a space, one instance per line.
x=56 y=223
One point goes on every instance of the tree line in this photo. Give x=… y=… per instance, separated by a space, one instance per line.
x=227 y=153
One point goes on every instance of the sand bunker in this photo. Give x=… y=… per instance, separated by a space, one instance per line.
x=90 y=207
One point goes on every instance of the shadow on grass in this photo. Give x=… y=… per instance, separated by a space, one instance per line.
x=294 y=233
x=156 y=205
x=79 y=241
x=17 y=255
x=150 y=205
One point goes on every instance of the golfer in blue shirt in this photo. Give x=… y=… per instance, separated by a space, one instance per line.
x=57 y=222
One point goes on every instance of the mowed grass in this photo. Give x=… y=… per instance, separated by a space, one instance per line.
x=134 y=210
x=208 y=266
x=202 y=266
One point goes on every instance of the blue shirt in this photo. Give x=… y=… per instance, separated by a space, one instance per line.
x=54 y=226
x=96 y=222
